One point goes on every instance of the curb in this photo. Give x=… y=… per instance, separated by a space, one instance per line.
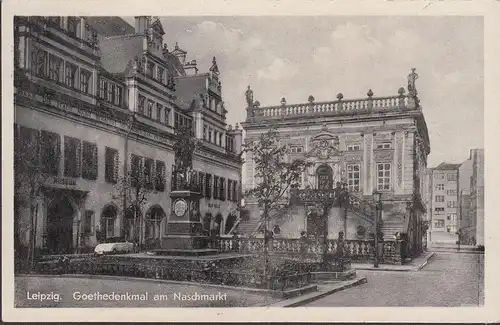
x=318 y=295
x=403 y=267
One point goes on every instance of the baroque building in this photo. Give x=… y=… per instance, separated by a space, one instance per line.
x=370 y=144
x=98 y=101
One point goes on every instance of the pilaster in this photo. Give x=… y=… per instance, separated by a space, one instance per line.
x=368 y=164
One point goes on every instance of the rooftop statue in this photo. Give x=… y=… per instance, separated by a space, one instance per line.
x=411 y=82
x=249 y=96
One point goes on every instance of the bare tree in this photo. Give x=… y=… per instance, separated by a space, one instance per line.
x=275 y=176
x=30 y=174
x=136 y=186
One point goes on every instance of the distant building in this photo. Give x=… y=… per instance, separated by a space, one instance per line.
x=97 y=99
x=477 y=193
x=467 y=222
x=444 y=203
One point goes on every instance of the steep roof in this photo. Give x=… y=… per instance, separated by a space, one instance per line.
x=109 y=26
x=116 y=53
x=447 y=166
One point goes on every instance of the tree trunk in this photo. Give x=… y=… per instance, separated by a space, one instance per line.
x=325 y=236
x=266 y=248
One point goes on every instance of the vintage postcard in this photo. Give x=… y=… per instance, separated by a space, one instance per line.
x=245 y=157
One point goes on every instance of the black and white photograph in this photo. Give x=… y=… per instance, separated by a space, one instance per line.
x=268 y=161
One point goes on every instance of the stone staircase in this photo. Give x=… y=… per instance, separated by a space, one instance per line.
x=248 y=227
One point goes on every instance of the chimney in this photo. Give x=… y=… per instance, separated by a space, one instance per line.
x=191 y=68
x=141 y=24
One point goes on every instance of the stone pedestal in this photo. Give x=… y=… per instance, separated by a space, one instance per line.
x=184 y=228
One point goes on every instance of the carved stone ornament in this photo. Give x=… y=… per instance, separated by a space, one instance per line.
x=324 y=146
x=384 y=154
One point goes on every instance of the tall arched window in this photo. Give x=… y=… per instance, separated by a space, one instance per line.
x=325 y=177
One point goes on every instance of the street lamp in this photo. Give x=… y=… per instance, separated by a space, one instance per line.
x=376 y=198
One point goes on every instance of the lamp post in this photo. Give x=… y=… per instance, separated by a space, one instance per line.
x=376 y=198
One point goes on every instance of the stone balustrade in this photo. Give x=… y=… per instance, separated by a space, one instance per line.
x=361 y=251
x=336 y=108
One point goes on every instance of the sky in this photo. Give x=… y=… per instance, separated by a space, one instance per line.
x=298 y=56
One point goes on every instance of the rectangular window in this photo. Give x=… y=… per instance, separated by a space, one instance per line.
x=452 y=204
x=353 y=147
x=439 y=198
x=220 y=139
x=384 y=145
x=111 y=165
x=151 y=68
x=72 y=154
x=222 y=189
x=439 y=223
x=451 y=193
x=208 y=186
x=204 y=132
x=27 y=148
x=452 y=217
x=438 y=210
x=71 y=74
x=141 y=104
x=160 y=176
x=118 y=96
x=72 y=27
x=353 y=177
x=39 y=62
x=440 y=187
x=167 y=116
x=56 y=68
x=85 y=81
x=384 y=176
x=88 y=222
x=159 y=109
x=176 y=120
x=201 y=183
x=161 y=72
x=89 y=160
x=452 y=177
x=216 y=187
x=296 y=149
x=209 y=134
x=235 y=198
x=150 y=108
x=148 y=172
x=439 y=176
x=229 y=189
x=111 y=93
x=135 y=170
x=102 y=88
x=50 y=152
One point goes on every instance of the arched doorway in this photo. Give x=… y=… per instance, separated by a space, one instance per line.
x=324 y=175
x=314 y=224
x=152 y=235
x=230 y=221
x=60 y=216
x=108 y=220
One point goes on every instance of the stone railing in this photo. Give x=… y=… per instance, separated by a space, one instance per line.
x=361 y=251
x=334 y=108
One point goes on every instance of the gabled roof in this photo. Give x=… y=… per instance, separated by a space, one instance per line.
x=447 y=166
x=107 y=26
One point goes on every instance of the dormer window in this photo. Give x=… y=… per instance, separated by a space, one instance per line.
x=384 y=145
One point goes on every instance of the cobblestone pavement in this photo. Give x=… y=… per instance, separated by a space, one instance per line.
x=448 y=280
x=67 y=287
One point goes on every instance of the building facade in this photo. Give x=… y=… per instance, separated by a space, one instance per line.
x=445 y=195
x=97 y=105
x=371 y=144
x=467 y=224
x=477 y=193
